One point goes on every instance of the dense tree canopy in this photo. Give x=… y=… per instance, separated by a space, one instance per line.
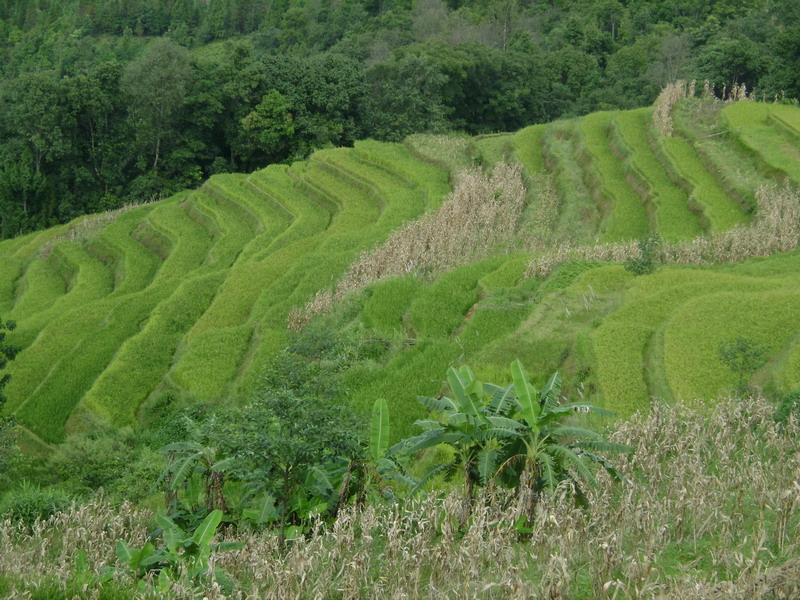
x=112 y=101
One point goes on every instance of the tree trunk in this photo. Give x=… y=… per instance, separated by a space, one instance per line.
x=158 y=151
x=215 y=494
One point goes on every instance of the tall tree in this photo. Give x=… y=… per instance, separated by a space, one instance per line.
x=157 y=83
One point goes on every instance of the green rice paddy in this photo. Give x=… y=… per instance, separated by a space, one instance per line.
x=189 y=297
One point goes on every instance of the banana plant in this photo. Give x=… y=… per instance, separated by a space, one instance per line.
x=472 y=421
x=546 y=448
x=193 y=459
x=178 y=552
x=515 y=434
x=381 y=466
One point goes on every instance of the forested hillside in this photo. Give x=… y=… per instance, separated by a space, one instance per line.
x=105 y=103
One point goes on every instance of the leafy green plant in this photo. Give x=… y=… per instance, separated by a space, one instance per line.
x=293 y=456
x=30 y=502
x=743 y=357
x=379 y=467
x=7 y=353
x=196 y=458
x=788 y=407
x=515 y=435
x=648 y=258
x=175 y=553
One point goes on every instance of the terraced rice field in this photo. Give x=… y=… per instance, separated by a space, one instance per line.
x=189 y=297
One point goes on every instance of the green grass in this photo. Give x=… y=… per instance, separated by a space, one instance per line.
x=673 y=218
x=527 y=145
x=190 y=296
x=751 y=123
x=626 y=217
x=787 y=116
x=579 y=218
x=720 y=210
x=497 y=148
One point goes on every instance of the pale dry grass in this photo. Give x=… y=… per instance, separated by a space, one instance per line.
x=662 y=109
x=775 y=229
x=708 y=508
x=52 y=549
x=674 y=92
x=479 y=217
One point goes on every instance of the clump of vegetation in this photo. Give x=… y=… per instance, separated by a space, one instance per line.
x=30 y=503
x=179 y=555
x=514 y=435
x=743 y=357
x=623 y=545
x=788 y=407
x=649 y=256
x=8 y=446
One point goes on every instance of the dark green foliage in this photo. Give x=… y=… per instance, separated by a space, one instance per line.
x=7 y=353
x=514 y=435
x=743 y=357
x=173 y=553
x=648 y=258
x=296 y=450
x=119 y=462
x=788 y=407
x=29 y=502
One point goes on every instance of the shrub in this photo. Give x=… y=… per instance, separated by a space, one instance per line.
x=648 y=258
x=788 y=407
x=30 y=503
x=743 y=357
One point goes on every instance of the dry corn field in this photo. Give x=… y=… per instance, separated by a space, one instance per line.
x=480 y=216
x=708 y=507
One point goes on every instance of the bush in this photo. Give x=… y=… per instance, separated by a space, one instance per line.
x=743 y=357
x=30 y=502
x=788 y=406
x=648 y=257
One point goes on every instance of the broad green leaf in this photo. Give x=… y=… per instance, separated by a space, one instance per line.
x=568 y=458
x=427 y=424
x=551 y=390
x=164 y=582
x=487 y=461
x=440 y=404
x=379 y=431
x=501 y=398
x=320 y=477
x=206 y=530
x=223 y=465
x=419 y=442
x=526 y=396
x=465 y=401
x=185 y=468
x=547 y=471
x=124 y=553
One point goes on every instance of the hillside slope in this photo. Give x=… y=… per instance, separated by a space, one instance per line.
x=189 y=297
